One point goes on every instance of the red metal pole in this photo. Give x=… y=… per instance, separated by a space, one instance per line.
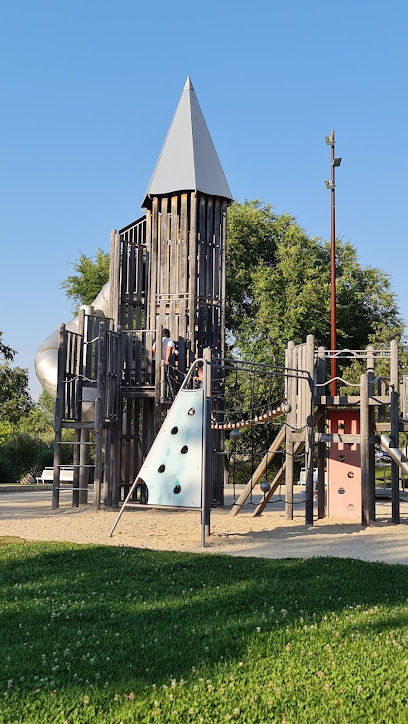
x=333 y=321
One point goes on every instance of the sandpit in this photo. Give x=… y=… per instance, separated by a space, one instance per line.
x=29 y=516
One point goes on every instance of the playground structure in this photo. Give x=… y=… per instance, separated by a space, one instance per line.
x=167 y=269
x=339 y=432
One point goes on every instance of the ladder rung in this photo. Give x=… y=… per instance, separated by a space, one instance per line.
x=72 y=442
x=69 y=467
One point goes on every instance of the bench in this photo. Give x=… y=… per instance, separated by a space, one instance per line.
x=66 y=475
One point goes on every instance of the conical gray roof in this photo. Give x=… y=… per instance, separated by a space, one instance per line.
x=188 y=160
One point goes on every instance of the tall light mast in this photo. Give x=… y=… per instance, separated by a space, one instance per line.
x=335 y=162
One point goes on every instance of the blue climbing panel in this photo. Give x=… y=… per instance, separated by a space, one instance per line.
x=172 y=469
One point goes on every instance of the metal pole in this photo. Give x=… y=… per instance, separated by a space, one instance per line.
x=204 y=458
x=364 y=450
x=333 y=320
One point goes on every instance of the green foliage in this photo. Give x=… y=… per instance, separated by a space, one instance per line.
x=39 y=420
x=5 y=351
x=46 y=403
x=27 y=452
x=22 y=453
x=26 y=433
x=15 y=400
x=223 y=638
x=91 y=274
x=278 y=288
x=5 y=430
x=27 y=447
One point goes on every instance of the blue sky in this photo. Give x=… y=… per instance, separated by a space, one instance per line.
x=89 y=90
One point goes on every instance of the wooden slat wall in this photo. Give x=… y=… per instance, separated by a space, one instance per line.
x=172 y=257
x=223 y=254
x=188 y=245
x=134 y=252
x=192 y=280
x=72 y=371
x=183 y=285
x=162 y=273
x=168 y=268
x=173 y=268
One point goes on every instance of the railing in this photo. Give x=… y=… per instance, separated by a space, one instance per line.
x=80 y=364
x=73 y=376
x=138 y=368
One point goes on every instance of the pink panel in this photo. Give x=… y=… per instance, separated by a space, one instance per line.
x=344 y=472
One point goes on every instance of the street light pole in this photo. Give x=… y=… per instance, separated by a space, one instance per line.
x=331 y=185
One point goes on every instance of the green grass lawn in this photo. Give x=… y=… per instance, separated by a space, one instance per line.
x=110 y=635
x=383 y=475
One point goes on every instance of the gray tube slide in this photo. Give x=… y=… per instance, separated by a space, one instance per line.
x=394 y=452
x=46 y=359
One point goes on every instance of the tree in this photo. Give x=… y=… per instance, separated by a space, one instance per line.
x=91 y=274
x=39 y=420
x=15 y=399
x=278 y=288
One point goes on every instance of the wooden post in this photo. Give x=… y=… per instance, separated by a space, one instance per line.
x=107 y=468
x=80 y=364
x=99 y=412
x=114 y=277
x=223 y=253
x=84 y=469
x=192 y=283
x=309 y=431
x=291 y=421
x=364 y=450
x=394 y=419
x=159 y=380
x=75 y=476
x=289 y=468
x=371 y=428
x=59 y=407
x=321 y=446
x=116 y=452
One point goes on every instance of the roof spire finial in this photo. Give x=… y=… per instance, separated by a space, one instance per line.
x=188 y=160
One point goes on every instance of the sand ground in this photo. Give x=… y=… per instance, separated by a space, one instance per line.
x=29 y=516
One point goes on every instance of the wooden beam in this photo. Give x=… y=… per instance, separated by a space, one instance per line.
x=114 y=276
x=321 y=446
x=309 y=439
x=394 y=416
x=291 y=422
x=192 y=281
x=354 y=400
x=328 y=437
x=58 y=413
x=75 y=476
x=274 y=447
x=385 y=426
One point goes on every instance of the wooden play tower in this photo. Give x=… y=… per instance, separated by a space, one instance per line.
x=167 y=270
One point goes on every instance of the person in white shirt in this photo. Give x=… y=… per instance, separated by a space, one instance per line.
x=167 y=347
